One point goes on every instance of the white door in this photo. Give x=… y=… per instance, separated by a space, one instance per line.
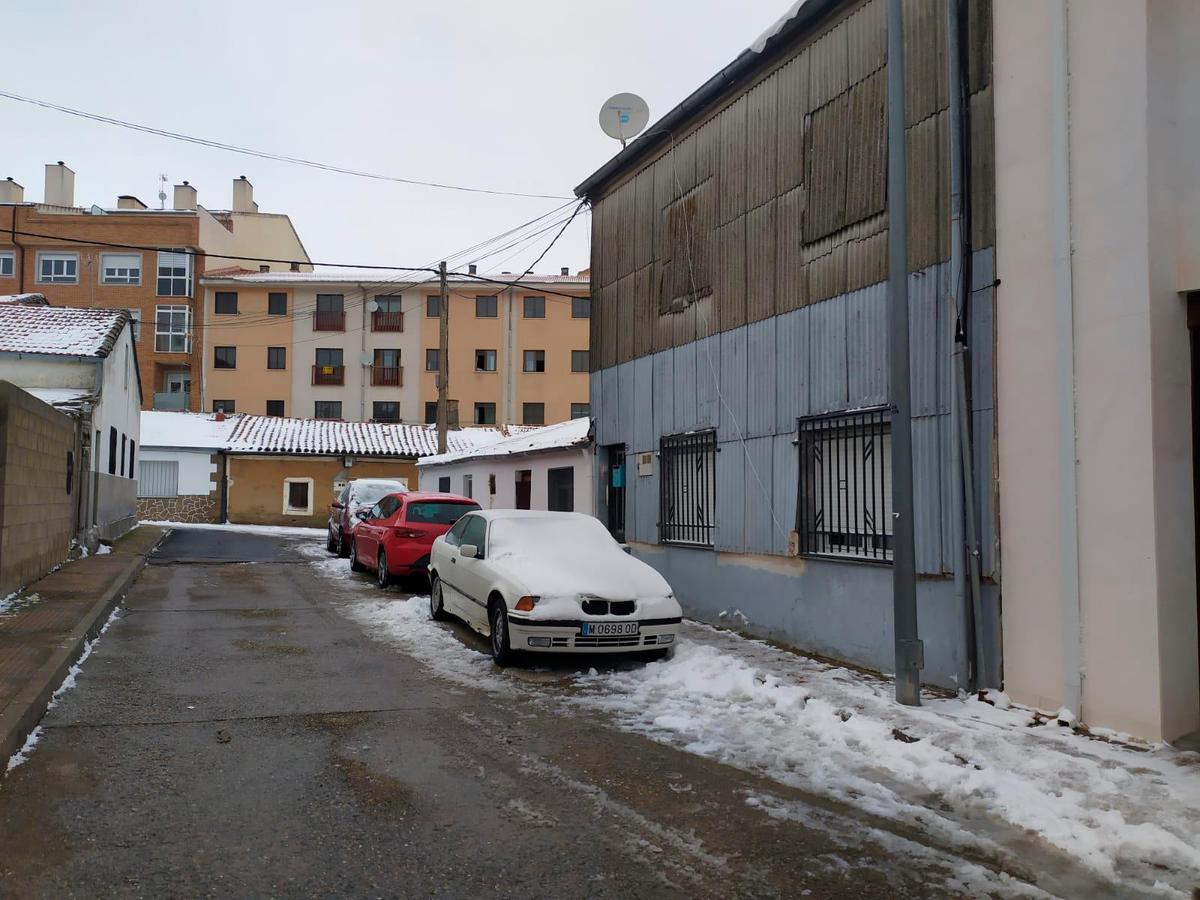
x=472 y=575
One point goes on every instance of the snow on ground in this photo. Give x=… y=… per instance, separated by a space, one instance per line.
x=971 y=775
x=253 y=529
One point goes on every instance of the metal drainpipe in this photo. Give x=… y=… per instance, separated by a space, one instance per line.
x=1064 y=309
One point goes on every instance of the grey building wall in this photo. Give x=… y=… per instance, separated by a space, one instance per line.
x=751 y=383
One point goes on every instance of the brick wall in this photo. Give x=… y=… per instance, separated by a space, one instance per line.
x=37 y=514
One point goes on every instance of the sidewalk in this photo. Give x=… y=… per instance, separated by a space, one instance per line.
x=44 y=629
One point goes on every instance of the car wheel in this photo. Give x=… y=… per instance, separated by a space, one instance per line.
x=382 y=578
x=437 y=611
x=355 y=565
x=502 y=653
x=343 y=548
x=331 y=544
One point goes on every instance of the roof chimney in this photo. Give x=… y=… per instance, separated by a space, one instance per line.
x=243 y=196
x=11 y=192
x=294 y=267
x=128 y=201
x=263 y=267
x=471 y=269
x=185 y=196
x=565 y=271
x=60 y=185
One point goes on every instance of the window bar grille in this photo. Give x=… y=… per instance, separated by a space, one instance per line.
x=687 y=492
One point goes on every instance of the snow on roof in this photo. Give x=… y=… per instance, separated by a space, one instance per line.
x=383 y=278
x=562 y=436
x=760 y=43
x=185 y=429
x=66 y=399
x=322 y=437
x=59 y=330
x=31 y=299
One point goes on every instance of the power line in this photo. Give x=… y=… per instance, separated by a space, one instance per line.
x=263 y=154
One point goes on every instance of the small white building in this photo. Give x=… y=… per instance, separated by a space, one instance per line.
x=181 y=473
x=544 y=468
x=82 y=362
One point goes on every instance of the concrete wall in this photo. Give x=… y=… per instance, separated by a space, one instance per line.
x=256 y=485
x=1133 y=123
x=504 y=470
x=37 y=513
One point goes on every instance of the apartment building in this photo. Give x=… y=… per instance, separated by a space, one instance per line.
x=350 y=346
x=140 y=259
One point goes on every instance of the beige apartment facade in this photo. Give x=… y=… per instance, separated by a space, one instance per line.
x=352 y=347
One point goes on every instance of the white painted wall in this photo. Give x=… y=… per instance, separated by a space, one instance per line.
x=1132 y=124
x=197 y=471
x=505 y=470
x=120 y=402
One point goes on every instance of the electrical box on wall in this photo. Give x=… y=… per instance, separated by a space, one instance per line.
x=645 y=463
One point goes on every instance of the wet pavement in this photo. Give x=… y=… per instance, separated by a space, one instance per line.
x=236 y=733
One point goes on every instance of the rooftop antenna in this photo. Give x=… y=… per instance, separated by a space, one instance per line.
x=162 y=191
x=623 y=116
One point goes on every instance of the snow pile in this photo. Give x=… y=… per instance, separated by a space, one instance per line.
x=290 y=530
x=560 y=436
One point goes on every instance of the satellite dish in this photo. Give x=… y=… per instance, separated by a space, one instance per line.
x=623 y=116
x=372 y=306
x=366 y=358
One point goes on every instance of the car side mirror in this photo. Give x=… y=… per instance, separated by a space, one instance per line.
x=470 y=551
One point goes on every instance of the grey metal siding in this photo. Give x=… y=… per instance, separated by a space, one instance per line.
x=828 y=385
x=759 y=499
x=643 y=404
x=731 y=489
x=733 y=385
x=867 y=346
x=760 y=389
x=791 y=368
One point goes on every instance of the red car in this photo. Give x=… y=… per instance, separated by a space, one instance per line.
x=396 y=534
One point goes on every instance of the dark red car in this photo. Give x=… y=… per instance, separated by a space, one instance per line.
x=395 y=536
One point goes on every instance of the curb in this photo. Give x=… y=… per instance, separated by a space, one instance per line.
x=25 y=710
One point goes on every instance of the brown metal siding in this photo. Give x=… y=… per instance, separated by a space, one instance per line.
x=731 y=274
x=826 y=180
x=760 y=262
x=733 y=161
x=866 y=40
x=790 y=283
x=790 y=123
x=828 y=69
x=866 y=183
x=761 y=142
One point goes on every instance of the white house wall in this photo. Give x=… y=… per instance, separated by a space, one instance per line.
x=197 y=471
x=505 y=470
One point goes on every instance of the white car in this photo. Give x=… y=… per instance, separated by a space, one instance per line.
x=549 y=582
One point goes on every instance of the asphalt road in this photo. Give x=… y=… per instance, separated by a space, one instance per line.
x=235 y=734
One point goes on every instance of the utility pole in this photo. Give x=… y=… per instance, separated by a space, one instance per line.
x=443 y=412
x=909 y=650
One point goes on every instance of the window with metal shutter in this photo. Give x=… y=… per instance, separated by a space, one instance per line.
x=158 y=478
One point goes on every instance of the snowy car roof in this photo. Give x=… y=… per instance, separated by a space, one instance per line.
x=59 y=330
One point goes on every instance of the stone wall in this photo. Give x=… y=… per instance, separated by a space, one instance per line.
x=193 y=508
x=40 y=475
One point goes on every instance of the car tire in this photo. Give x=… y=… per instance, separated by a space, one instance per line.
x=502 y=652
x=437 y=609
x=382 y=577
x=355 y=565
x=331 y=544
x=343 y=548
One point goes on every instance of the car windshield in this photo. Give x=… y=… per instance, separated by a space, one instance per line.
x=438 y=512
x=369 y=494
x=566 y=535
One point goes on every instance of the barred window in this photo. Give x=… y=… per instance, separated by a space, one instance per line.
x=687 y=488
x=844 y=505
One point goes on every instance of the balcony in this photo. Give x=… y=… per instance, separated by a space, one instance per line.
x=329 y=375
x=387 y=321
x=174 y=400
x=387 y=376
x=329 y=320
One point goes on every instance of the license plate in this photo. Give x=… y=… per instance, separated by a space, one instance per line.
x=608 y=628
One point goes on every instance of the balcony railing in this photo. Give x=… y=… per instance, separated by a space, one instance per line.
x=170 y=400
x=335 y=375
x=329 y=320
x=387 y=321
x=387 y=376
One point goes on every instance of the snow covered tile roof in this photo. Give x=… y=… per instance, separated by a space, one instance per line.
x=59 y=330
x=202 y=431
x=321 y=437
x=67 y=399
x=381 y=278
x=562 y=436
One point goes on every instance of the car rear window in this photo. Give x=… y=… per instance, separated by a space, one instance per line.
x=433 y=512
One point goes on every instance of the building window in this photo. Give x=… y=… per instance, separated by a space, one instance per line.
x=297 y=496
x=132 y=455
x=112 y=450
x=385 y=411
x=444 y=484
x=433 y=307
x=467 y=486
x=581 y=307
x=174 y=273
x=535 y=307
x=431 y=359
x=431 y=412
x=579 y=360
x=274 y=407
x=277 y=357
x=120 y=268
x=224 y=357
x=58 y=268
x=485 y=360
x=226 y=303
x=844 y=504
x=330 y=314
x=580 y=410
x=331 y=303
x=485 y=307
x=173 y=329
x=687 y=488
x=533 y=413
x=560 y=489
x=535 y=361
x=8 y=264
x=158 y=478
x=327 y=409
x=224 y=406
x=485 y=413
x=276 y=304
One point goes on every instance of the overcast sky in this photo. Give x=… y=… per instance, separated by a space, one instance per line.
x=493 y=95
